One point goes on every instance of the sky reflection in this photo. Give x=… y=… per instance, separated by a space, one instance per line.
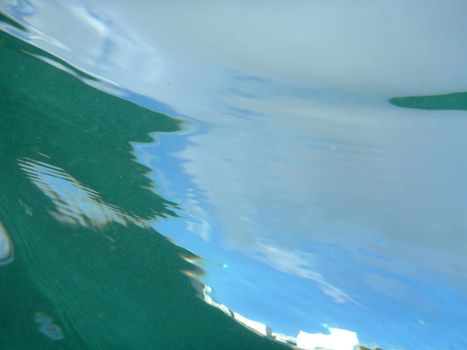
x=316 y=203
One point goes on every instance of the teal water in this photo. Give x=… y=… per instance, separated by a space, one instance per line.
x=90 y=266
x=178 y=176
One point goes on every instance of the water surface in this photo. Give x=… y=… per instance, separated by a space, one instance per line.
x=303 y=167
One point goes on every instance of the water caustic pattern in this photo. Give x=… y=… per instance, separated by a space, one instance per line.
x=233 y=175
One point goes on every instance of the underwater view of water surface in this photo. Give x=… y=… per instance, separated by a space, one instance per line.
x=233 y=175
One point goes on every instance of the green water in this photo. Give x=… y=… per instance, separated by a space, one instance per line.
x=452 y=101
x=103 y=286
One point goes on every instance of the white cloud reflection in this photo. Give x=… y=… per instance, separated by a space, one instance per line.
x=298 y=264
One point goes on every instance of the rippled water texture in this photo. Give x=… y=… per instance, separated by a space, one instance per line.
x=245 y=175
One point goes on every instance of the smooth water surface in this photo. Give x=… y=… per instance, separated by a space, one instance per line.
x=245 y=175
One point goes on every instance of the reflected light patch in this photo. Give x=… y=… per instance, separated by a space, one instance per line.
x=6 y=247
x=75 y=203
x=47 y=326
x=337 y=339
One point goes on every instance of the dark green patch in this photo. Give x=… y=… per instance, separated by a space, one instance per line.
x=453 y=101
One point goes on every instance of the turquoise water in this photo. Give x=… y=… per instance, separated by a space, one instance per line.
x=236 y=176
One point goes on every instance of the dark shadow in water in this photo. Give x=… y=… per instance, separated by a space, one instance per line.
x=452 y=101
x=8 y=21
x=108 y=285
